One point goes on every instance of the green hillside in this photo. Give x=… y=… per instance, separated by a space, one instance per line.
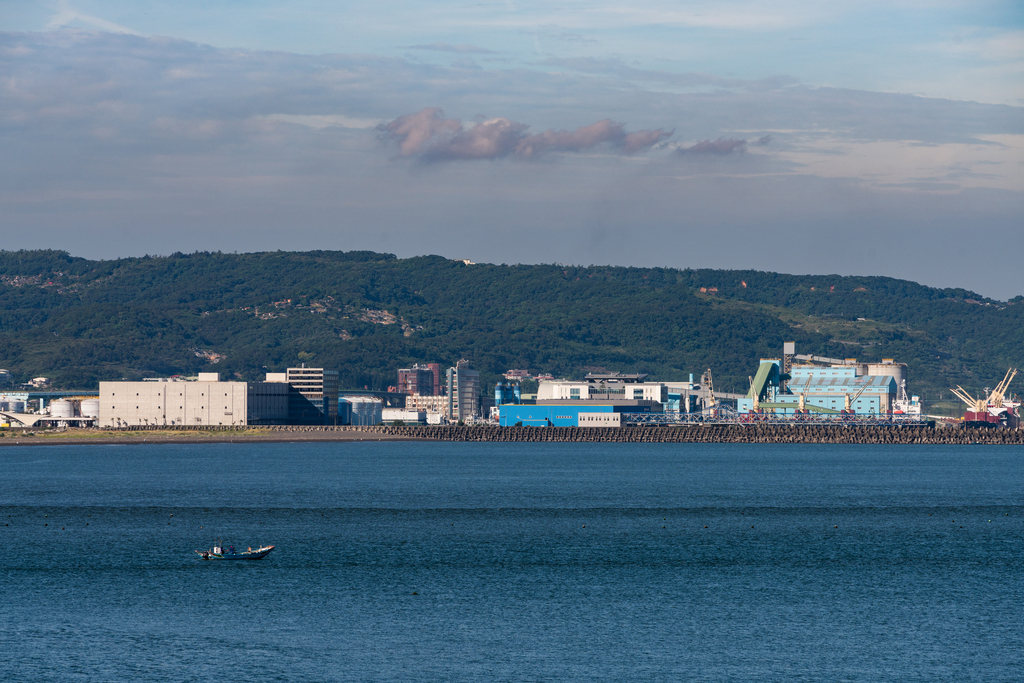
x=79 y=321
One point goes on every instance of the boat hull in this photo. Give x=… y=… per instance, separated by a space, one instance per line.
x=258 y=554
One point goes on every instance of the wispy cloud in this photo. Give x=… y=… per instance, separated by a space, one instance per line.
x=319 y=121
x=462 y=49
x=67 y=16
x=428 y=135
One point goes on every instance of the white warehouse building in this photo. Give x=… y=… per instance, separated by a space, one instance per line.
x=207 y=401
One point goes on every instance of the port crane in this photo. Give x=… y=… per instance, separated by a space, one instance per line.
x=802 y=406
x=976 y=405
x=994 y=403
x=848 y=400
x=998 y=395
x=709 y=387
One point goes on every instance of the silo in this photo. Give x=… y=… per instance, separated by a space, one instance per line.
x=896 y=370
x=366 y=410
x=358 y=404
x=62 y=408
x=91 y=408
x=344 y=412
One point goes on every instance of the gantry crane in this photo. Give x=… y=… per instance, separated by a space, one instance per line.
x=994 y=399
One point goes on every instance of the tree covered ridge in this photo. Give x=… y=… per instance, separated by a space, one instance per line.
x=79 y=321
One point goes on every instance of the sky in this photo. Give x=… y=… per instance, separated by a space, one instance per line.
x=856 y=138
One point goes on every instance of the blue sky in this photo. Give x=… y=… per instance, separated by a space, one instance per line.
x=805 y=137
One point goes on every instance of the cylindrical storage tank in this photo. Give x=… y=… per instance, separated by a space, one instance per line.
x=344 y=412
x=91 y=408
x=62 y=408
x=896 y=370
x=366 y=410
x=359 y=406
x=355 y=410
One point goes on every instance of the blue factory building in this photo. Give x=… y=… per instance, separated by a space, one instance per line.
x=547 y=415
x=572 y=413
x=568 y=415
x=821 y=390
x=598 y=401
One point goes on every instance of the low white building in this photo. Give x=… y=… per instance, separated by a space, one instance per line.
x=433 y=407
x=389 y=415
x=600 y=420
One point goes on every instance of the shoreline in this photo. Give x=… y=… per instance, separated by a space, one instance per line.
x=135 y=438
x=716 y=433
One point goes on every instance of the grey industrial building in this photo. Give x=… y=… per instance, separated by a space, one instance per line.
x=463 y=392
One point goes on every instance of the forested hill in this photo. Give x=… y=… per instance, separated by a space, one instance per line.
x=79 y=321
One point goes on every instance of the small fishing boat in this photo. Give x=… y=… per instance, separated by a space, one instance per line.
x=219 y=552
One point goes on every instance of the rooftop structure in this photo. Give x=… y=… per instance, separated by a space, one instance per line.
x=611 y=387
x=614 y=378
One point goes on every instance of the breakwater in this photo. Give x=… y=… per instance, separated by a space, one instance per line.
x=712 y=433
x=718 y=434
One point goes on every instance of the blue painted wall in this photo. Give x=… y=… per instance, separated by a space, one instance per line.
x=545 y=416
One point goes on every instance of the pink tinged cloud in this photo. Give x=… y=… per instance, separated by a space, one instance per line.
x=428 y=135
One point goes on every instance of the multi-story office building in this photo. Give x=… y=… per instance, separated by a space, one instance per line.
x=427 y=404
x=438 y=384
x=419 y=379
x=315 y=396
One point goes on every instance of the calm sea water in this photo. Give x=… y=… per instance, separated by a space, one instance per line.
x=513 y=562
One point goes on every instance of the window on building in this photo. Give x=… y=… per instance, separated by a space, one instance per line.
x=638 y=393
x=574 y=393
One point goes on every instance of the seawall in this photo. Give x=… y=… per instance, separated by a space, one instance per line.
x=718 y=434
x=721 y=433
